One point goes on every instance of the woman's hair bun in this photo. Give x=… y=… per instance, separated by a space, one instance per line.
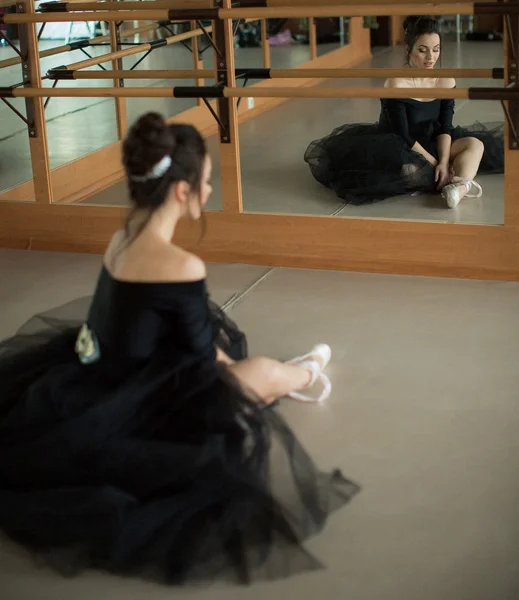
x=422 y=24
x=150 y=138
x=410 y=21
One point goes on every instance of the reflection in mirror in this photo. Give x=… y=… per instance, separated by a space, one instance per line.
x=75 y=126
x=290 y=42
x=15 y=157
x=289 y=46
x=382 y=163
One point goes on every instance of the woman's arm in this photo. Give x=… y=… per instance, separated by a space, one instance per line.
x=444 y=139
x=443 y=143
x=223 y=358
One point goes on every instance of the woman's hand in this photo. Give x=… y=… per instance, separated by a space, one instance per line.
x=442 y=175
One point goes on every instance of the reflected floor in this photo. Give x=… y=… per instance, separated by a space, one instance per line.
x=276 y=179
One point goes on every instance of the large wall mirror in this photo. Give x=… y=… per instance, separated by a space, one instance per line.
x=288 y=47
x=276 y=178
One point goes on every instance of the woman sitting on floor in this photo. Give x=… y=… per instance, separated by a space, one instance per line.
x=144 y=440
x=414 y=148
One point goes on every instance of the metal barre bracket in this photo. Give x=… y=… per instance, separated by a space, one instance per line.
x=60 y=72
x=79 y=44
x=50 y=7
x=198 y=92
x=194 y=14
x=253 y=73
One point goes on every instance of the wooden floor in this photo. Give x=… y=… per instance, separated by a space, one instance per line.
x=423 y=414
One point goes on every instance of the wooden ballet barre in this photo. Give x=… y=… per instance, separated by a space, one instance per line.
x=384 y=10
x=70 y=74
x=369 y=73
x=48 y=7
x=473 y=93
x=371 y=10
x=110 y=56
x=168 y=41
x=85 y=43
x=298 y=3
x=61 y=73
x=108 y=16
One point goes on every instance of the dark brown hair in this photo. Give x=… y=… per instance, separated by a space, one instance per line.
x=414 y=27
x=151 y=139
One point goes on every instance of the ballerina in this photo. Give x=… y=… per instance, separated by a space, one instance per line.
x=414 y=148
x=144 y=440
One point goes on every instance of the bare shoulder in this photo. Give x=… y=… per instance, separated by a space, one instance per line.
x=185 y=266
x=446 y=82
x=398 y=82
x=174 y=264
x=154 y=263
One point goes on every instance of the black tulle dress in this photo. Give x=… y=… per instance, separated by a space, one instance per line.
x=369 y=162
x=125 y=446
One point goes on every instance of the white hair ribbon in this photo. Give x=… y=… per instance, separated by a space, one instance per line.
x=156 y=171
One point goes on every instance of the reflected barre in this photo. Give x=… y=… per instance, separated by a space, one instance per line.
x=126 y=52
x=472 y=93
x=139 y=49
x=71 y=73
x=82 y=43
x=58 y=13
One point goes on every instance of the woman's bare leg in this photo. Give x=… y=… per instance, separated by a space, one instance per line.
x=271 y=379
x=466 y=155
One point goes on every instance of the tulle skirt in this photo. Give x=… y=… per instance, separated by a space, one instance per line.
x=362 y=164
x=172 y=472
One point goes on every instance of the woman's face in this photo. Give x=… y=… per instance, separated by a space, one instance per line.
x=425 y=52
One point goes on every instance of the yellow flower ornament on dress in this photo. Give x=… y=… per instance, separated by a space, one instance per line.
x=87 y=347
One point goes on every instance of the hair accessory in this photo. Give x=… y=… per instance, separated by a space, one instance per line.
x=156 y=171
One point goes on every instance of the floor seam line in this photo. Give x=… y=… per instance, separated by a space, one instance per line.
x=238 y=297
x=338 y=210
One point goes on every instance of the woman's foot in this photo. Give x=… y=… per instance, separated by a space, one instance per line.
x=459 y=188
x=314 y=362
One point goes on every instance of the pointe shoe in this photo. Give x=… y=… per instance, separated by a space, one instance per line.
x=315 y=362
x=323 y=352
x=451 y=192
x=316 y=374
